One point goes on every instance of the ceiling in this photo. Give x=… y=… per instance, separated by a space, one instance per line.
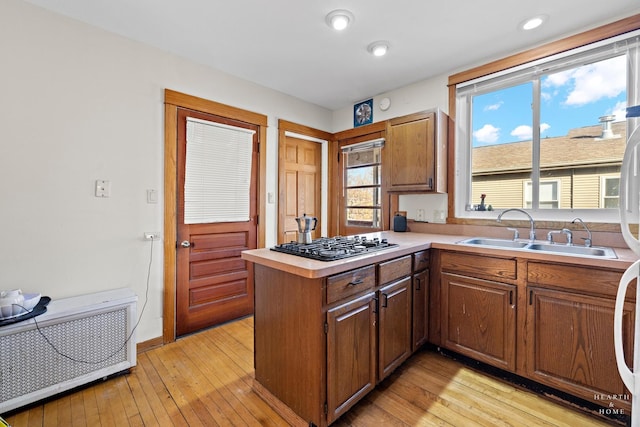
x=287 y=46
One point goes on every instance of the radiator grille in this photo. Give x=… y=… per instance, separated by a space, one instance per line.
x=28 y=363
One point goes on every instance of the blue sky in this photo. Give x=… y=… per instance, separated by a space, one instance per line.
x=569 y=99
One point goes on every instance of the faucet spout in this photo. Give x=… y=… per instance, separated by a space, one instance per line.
x=532 y=231
x=588 y=240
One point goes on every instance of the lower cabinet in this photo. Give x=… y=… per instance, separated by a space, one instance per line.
x=394 y=327
x=420 y=299
x=370 y=335
x=570 y=339
x=547 y=321
x=351 y=354
x=479 y=319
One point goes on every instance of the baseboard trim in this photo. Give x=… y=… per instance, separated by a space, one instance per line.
x=143 y=346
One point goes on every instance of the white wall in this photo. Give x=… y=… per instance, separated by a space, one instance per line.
x=79 y=104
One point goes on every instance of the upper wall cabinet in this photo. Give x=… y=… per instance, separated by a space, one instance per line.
x=416 y=153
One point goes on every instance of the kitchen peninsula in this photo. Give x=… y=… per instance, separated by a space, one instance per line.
x=327 y=332
x=323 y=328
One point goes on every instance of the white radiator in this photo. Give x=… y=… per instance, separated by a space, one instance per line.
x=91 y=329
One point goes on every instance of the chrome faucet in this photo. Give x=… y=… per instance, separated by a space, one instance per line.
x=532 y=231
x=588 y=240
x=565 y=231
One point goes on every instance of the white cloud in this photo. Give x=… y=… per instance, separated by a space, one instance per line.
x=494 y=107
x=592 y=82
x=544 y=127
x=522 y=132
x=487 y=134
x=620 y=111
x=525 y=132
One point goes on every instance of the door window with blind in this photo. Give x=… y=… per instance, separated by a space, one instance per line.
x=363 y=184
x=218 y=172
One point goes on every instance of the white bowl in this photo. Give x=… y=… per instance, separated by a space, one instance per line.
x=31 y=300
x=10 y=311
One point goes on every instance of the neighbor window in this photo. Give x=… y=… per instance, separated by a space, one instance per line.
x=610 y=192
x=363 y=184
x=547 y=136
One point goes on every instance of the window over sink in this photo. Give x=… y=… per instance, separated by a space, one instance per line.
x=548 y=136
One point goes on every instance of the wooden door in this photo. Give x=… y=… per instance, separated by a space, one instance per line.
x=420 y=309
x=574 y=352
x=351 y=356
x=213 y=284
x=479 y=319
x=301 y=190
x=412 y=152
x=394 y=326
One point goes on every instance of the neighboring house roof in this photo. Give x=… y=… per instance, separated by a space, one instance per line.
x=582 y=147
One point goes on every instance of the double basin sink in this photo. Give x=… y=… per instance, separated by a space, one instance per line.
x=551 y=248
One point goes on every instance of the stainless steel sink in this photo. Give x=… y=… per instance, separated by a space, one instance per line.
x=581 y=251
x=599 y=252
x=501 y=243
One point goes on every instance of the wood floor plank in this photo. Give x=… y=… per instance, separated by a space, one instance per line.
x=178 y=386
x=207 y=379
x=78 y=414
x=202 y=357
x=159 y=396
x=523 y=401
x=218 y=410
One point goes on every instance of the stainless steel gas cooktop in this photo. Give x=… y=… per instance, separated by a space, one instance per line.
x=334 y=248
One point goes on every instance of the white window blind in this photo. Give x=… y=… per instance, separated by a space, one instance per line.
x=217 y=172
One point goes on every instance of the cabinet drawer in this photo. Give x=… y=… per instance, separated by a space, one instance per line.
x=479 y=266
x=420 y=261
x=573 y=277
x=394 y=269
x=350 y=283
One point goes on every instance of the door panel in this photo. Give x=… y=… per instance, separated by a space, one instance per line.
x=214 y=285
x=300 y=191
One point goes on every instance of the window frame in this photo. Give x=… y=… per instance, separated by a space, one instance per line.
x=377 y=166
x=603 y=189
x=585 y=41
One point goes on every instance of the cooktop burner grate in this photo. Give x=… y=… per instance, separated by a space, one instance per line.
x=334 y=248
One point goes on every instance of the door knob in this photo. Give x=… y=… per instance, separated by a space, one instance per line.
x=185 y=244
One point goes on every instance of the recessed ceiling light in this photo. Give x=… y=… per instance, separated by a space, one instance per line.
x=339 y=19
x=534 y=22
x=379 y=48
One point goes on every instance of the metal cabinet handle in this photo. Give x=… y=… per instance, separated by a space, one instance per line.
x=185 y=244
x=355 y=282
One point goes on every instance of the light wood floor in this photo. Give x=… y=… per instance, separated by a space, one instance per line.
x=205 y=380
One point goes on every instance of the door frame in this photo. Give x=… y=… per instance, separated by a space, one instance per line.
x=286 y=128
x=172 y=101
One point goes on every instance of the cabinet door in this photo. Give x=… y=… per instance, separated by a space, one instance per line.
x=351 y=354
x=570 y=340
x=412 y=153
x=420 y=309
x=479 y=319
x=394 y=327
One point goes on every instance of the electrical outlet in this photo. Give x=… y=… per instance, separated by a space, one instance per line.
x=151 y=235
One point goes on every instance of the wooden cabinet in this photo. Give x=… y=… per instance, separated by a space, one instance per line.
x=420 y=299
x=570 y=333
x=351 y=354
x=479 y=313
x=480 y=319
x=416 y=153
x=394 y=317
x=549 y=322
